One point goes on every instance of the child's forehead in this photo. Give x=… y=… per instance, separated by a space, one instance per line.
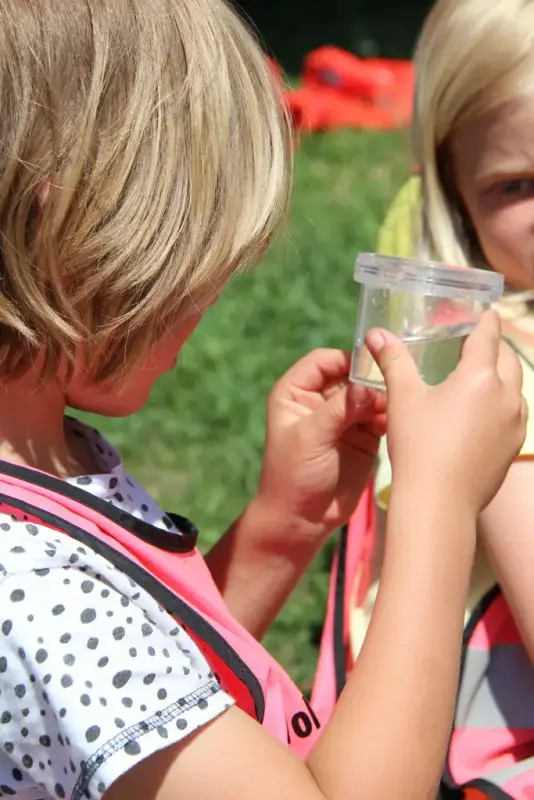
x=502 y=140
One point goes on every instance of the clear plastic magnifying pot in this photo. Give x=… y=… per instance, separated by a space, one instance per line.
x=431 y=307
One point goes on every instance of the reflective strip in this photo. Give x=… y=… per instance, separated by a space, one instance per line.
x=521 y=787
x=475 y=754
x=497 y=689
x=492 y=744
x=475 y=664
x=517 y=780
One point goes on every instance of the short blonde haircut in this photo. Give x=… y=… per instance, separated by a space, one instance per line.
x=144 y=158
x=472 y=56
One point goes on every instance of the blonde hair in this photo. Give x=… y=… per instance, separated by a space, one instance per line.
x=154 y=133
x=472 y=56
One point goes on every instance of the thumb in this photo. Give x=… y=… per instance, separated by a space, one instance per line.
x=393 y=359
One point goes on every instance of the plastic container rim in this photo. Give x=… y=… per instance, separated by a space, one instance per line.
x=427 y=277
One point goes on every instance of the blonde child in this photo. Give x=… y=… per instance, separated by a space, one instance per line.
x=473 y=203
x=144 y=159
x=473 y=138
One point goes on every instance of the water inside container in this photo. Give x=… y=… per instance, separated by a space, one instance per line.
x=436 y=351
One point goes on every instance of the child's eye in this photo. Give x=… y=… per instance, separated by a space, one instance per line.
x=517 y=187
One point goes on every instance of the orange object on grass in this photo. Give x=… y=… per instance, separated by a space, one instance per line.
x=339 y=90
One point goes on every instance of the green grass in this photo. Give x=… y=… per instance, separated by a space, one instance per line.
x=197 y=445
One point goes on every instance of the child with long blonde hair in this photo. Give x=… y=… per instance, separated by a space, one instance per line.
x=144 y=159
x=472 y=203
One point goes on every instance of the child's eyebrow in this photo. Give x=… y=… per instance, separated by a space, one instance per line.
x=501 y=166
x=506 y=151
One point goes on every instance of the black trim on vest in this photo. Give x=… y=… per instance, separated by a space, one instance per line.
x=449 y=789
x=171 y=602
x=338 y=645
x=488 y=789
x=182 y=542
x=445 y=793
x=476 y=616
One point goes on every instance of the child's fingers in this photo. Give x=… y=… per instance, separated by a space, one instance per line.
x=378 y=426
x=350 y=405
x=315 y=371
x=394 y=361
x=334 y=386
x=363 y=438
x=509 y=367
x=481 y=348
x=360 y=395
x=371 y=406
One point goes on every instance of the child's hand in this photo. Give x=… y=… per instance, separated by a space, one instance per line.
x=321 y=441
x=461 y=436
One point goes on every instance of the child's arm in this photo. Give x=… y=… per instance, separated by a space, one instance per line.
x=251 y=568
x=321 y=442
x=388 y=735
x=506 y=528
x=259 y=561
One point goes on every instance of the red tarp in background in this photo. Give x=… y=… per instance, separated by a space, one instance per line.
x=338 y=90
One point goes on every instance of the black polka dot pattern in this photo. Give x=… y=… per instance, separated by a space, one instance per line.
x=73 y=695
x=95 y=667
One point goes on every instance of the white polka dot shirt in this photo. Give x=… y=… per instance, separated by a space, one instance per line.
x=94 y=675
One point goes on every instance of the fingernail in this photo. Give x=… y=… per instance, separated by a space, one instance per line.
x=375 y=341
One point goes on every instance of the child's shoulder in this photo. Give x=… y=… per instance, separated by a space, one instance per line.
x=44 y=573
x=94 y=674
x=27 y=547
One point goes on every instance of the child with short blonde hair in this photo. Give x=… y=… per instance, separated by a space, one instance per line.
x=153 y=110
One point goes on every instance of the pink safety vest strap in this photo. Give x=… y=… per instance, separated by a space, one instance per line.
x=491 y=750
x=168 y=566
x=194 y=622
x=183 y=542
x=350 y=568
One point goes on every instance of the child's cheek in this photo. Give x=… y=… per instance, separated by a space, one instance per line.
x=506 y=236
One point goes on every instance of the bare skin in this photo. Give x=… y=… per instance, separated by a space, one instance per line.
x=397 y=707
x=493 y=168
